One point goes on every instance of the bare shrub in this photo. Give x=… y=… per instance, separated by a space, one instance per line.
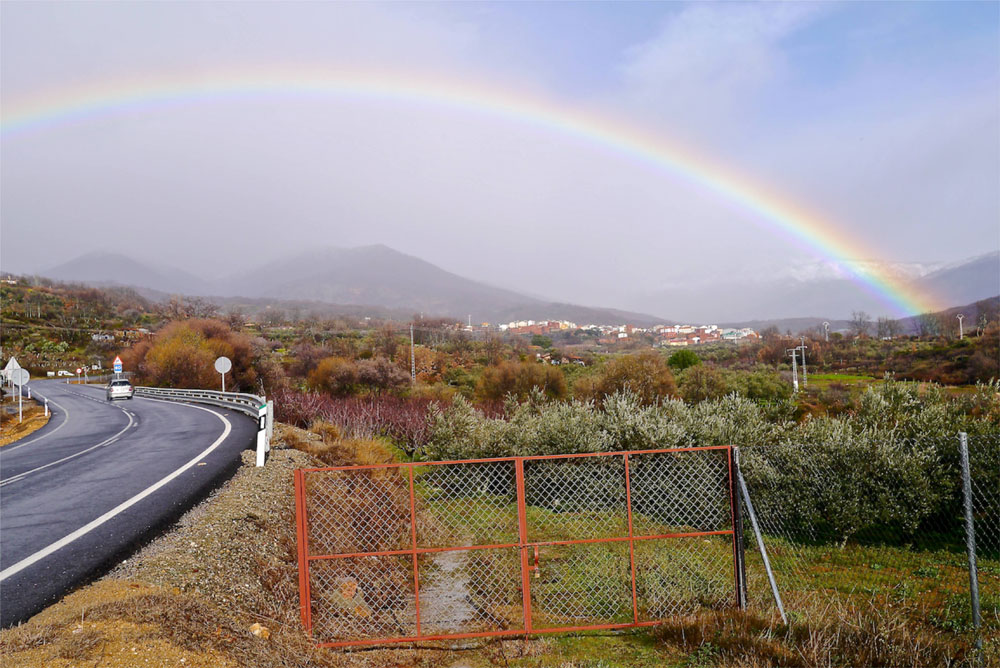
x=404 y=420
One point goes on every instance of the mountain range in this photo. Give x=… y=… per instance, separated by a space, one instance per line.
x=373 y=276
x=382 y=278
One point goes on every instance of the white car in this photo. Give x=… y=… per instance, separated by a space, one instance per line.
x=120 y=388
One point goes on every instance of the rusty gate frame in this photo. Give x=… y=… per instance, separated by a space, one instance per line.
x=523 y=545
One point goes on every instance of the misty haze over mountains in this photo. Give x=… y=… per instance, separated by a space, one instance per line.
x=820 y=290
x=380 y=276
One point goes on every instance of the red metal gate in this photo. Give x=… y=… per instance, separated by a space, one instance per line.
x=511 y=546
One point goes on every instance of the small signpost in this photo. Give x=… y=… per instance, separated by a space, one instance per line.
x=20 y=378
x=118 y=366
x=9 y=370
x=78 y=372
x=223 y=365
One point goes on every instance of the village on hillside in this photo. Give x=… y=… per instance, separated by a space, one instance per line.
x=663 y=335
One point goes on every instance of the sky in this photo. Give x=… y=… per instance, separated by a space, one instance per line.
x=881 y=118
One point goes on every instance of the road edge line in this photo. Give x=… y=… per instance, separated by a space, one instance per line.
x=90 y=526
x=15 y=445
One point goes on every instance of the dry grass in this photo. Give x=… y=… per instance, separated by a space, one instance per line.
x=115 y=623
x=325 y=442
x=34 y=419
x=833 y=636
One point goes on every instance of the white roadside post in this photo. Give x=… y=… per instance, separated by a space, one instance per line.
x=46 y=406
x=270 y=422
x=262 y=441
x=223 y=365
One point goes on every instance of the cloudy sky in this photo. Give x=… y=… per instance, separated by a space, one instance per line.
x=881 y=118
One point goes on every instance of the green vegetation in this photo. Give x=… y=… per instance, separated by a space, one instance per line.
x=682 y=359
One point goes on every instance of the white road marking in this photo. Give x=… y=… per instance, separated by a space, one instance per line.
x=10 y=448
x=107 y=441
x=90 y=526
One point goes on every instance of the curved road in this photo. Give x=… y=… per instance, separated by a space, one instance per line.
x=85 y=490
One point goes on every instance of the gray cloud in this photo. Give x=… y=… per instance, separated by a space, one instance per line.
x=207 y=186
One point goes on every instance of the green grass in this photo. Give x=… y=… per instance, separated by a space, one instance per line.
x=604 y=649
x=918 y=591
x=822 y=381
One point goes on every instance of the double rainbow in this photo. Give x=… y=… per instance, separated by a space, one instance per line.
x=768 y=209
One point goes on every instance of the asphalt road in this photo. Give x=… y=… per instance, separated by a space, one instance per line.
x=98 y=480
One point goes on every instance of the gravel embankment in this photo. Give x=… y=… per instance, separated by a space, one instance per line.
x=224 y=547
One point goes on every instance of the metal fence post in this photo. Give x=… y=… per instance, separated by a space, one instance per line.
x=970 y=537
x=760 y=546
x=305 y=596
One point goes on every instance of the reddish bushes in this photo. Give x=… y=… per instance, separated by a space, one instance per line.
x=183 y=352
x=403 y=420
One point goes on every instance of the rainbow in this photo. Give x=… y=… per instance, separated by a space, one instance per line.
x=768 y=209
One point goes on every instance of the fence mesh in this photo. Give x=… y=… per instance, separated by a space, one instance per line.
x=984 y=467
x=437 y=550
x=847 y=533
x=433 y=550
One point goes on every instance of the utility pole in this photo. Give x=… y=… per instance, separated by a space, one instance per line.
x=795 y=368
x=961 y=333
x=805 y=376
x=413 y=358
x=826 y=332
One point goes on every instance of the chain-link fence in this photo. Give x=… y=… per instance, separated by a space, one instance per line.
x=851 y=530
x=533 y=544
x=512 y=546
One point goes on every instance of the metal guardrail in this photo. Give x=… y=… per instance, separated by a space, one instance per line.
x=245 y=403
x=256 y=407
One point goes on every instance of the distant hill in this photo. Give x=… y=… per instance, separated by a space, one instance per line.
x=990 y=307
x=381 y=276
x=373 y=279
x=100 y=268
x=376 y=275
